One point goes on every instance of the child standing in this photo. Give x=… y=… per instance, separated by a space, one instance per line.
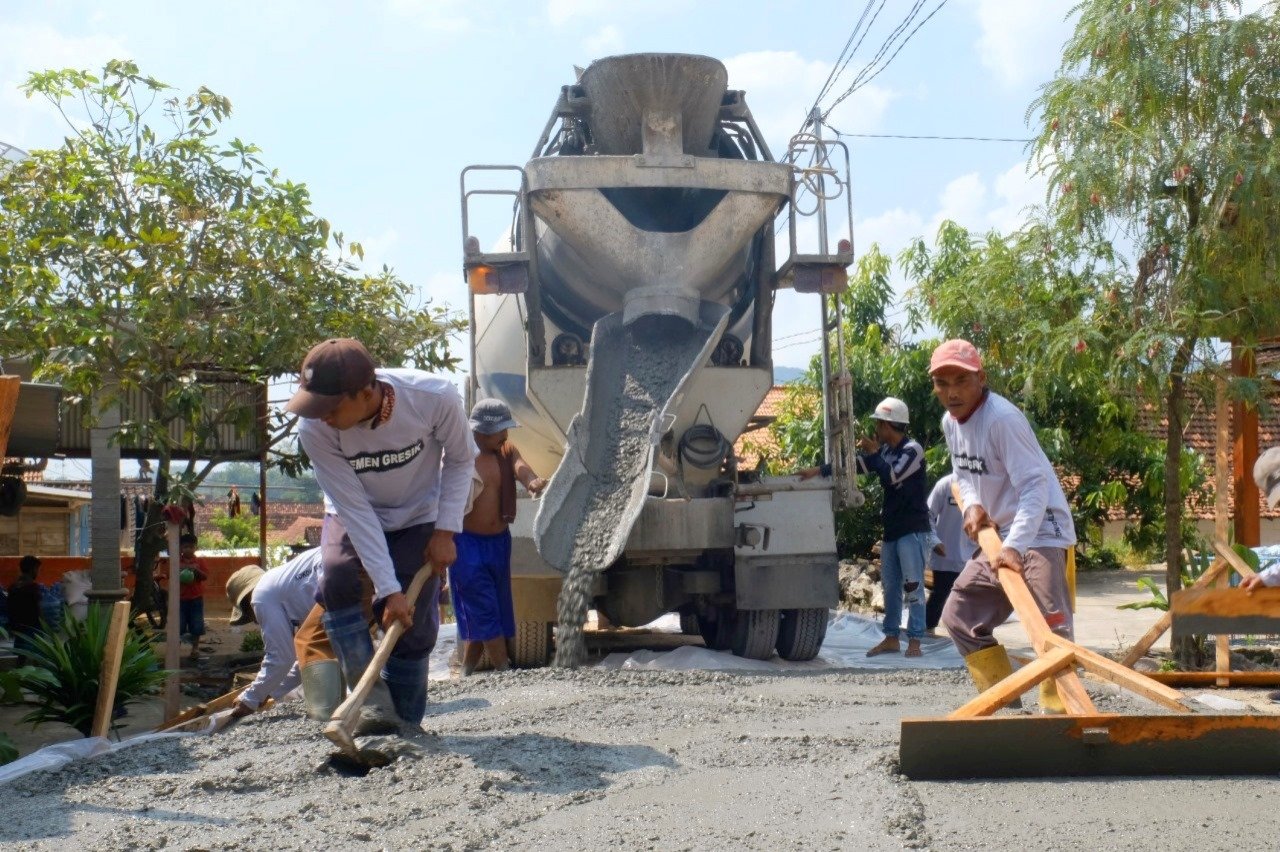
x=480 y=579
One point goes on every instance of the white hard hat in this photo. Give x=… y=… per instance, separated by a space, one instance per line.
x=892 y=410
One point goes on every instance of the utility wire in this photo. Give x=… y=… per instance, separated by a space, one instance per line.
x=866 y=76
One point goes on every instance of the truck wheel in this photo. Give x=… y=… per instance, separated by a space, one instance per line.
x=755 y=632
x=801 y=632
x=689 y=623
x=717 y=633
x=532 y=645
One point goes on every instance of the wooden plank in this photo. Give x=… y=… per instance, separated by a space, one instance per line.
x=9 y=386
x=1095 y=745
x=1234 y=679
x=1015 y=684
x=222 y=702
x=109 y=675
x=1227 y=603
x=1139 y=650
x=1225 y=551
x=1120 y=675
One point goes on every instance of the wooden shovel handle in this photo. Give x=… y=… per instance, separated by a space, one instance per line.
x=356 y=699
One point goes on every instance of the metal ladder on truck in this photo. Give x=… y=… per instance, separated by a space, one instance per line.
x=826 y=273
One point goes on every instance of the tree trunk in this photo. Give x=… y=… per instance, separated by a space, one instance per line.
x=1183 y=649
x=151 y=540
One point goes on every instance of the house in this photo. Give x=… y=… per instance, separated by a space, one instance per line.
x=52 y=522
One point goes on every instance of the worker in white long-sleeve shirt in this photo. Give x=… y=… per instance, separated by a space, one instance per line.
x=279 y=600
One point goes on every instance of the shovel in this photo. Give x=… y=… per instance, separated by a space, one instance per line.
x=342 y=722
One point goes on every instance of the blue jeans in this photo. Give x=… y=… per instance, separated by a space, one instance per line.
x=902 y=575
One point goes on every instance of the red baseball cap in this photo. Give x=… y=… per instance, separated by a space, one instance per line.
x=331 y=370
x=956 y=353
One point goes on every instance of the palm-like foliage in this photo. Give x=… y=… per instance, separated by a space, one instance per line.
x=64 y=671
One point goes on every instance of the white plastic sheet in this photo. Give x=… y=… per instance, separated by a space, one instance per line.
x=60 y=754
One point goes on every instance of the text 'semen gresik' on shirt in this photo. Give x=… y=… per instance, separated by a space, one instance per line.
x=412 y=469
x=281 y=601
x=1000 y=466
x=948 y=527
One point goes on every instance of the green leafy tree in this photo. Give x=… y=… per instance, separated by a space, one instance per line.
x=148 y=252
x=1158 y=133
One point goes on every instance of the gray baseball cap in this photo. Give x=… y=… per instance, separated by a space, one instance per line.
x=490 y=416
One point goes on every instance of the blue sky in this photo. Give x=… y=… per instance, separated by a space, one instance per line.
x=378 y=106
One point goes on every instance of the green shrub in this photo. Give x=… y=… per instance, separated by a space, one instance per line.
x=240 y=531
x=8 y=751
x=63 y=676
x=251 y=642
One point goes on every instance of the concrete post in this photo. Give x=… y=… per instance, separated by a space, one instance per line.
x=104 y=510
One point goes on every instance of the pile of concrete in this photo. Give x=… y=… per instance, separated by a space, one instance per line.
x=860 y=589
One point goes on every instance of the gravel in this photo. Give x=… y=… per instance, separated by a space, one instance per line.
x=591 y=759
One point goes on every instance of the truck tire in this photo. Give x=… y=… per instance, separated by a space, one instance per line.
x=801 y=632
x=755 y=633
x=717 y=633
x=532 y=645
x=689 y=625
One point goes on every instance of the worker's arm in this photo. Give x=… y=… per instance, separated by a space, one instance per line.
x=278 y=673
x=1021 y=455
x=1269 y=576
x=526 y=475
x=341 y=485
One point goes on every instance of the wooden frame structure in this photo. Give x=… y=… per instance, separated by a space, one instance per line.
x=970 y=743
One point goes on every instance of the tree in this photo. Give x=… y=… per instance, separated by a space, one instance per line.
x=1158 y=133
x=1042 y=319
x=155 y=255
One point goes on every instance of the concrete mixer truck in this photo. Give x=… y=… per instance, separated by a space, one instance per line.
x=626 y=320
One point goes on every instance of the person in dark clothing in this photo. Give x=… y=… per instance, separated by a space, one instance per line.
x=899 y=463
x=24 y=604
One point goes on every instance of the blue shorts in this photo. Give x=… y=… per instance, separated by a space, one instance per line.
x=191 y=618
x=480 y=582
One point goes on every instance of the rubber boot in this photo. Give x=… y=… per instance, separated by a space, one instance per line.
x=407 y=682
x=322 y=689
x=988 y=667
x=349 y=635
x=1050 y=702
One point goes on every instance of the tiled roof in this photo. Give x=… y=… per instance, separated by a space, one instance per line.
x=757 y=442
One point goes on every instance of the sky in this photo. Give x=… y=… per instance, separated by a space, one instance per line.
x=377 y=106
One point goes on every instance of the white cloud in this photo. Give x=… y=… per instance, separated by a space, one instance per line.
x=778 y=83
x=32 y=123
x=435 y=16
x=377 y=249
x=1021 y=41
x=603 y=42
x=561 y=12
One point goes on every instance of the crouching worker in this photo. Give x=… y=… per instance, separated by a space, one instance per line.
x=1006 y=482
x=280 y=600
x=392 y=452
x=480 y=579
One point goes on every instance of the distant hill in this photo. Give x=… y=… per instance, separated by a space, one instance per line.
x=785 y=375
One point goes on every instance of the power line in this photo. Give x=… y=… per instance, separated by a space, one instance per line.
x=926 y=136
x=867 y=75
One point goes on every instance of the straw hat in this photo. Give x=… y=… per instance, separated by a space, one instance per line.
x=240 y=586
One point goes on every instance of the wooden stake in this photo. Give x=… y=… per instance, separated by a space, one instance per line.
x=173 y=623
x=1015 y=684
x=9 y=386
x=1222 y=482
x=109 y=675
